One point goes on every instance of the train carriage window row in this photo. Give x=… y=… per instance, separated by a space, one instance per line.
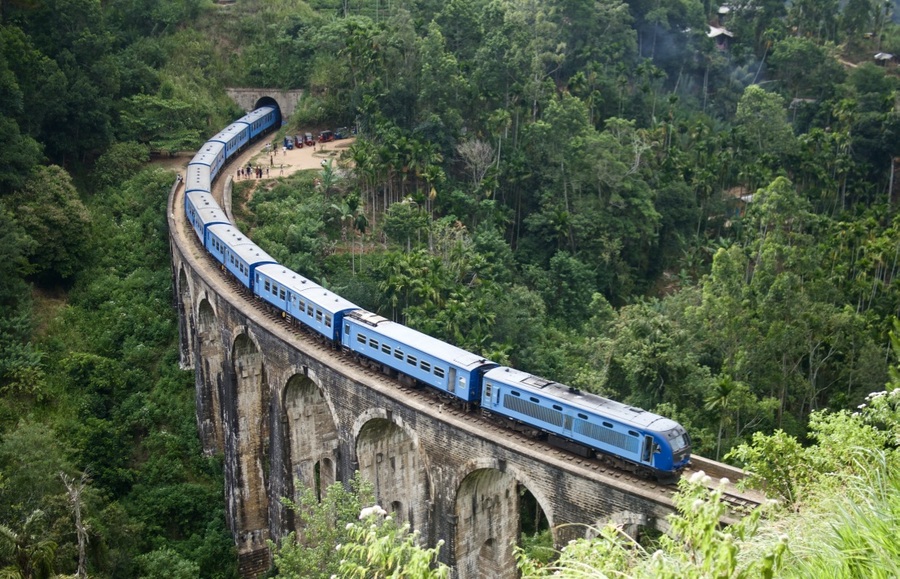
x=387 y=349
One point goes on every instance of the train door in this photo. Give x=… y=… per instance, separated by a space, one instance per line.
x=647 y=452
x=451 y=382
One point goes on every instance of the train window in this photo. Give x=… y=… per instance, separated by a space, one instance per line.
x=257 y=278
x=361 y=338
x=386 y=348
x=347 y=328
x=582 y=416
x=514 y=393
x=533 y=399
x=373 y=343
x=633 y=433
x=425 y=366
x=557 y=407
x=327 y=320
x=398 y=354
x=281 y=294
x=274 y=290
x=439 y=372
x=318 y=315
x=411 y=360
x=309 y=310
x=487 y=390
x=607 y=424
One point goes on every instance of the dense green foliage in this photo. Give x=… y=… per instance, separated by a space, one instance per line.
x=591 y=191
x=101 y=393
x=100 y=467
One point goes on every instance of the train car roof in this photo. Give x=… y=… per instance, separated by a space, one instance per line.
x=420 y=341
x=197 y=178
x=212 y=215
x=207 y=208
x=604 y=406
x=327 y=300
x=289 y=279
x=207 y=153
x=229 y=132
x=310 y=291
x=255 y=115
x=251 y=253
x=230 y=235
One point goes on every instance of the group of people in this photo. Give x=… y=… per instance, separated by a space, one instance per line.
x=249 y=172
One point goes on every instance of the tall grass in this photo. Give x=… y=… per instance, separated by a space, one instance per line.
x=854 y=532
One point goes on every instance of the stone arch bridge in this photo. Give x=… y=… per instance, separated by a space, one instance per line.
x=288 y=412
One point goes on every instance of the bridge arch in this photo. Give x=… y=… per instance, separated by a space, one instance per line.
x=211 y=360
x=311 y=435
x=390 y=457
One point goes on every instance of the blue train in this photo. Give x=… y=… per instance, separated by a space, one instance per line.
x=585 y=423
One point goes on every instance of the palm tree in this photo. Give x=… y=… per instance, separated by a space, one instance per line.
x=30 y=556
x=719 y=400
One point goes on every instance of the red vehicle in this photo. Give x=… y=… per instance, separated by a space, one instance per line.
x=309 y=140
x=326 y=136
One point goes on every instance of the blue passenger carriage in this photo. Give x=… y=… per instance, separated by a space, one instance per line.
x=302 y=299
x=321 y=310
x=233 y=137
x=428 y=360
x=644 y=439
x=212 y=155
x=202 y=211
x=259 y=121
x=197 y=178
x=236 y=252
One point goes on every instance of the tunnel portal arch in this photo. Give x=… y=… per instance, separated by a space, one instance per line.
x=267 y=101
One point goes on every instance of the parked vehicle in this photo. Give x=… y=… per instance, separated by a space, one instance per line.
x=326 y=136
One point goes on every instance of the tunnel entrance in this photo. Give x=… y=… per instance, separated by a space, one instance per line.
x=268 y=101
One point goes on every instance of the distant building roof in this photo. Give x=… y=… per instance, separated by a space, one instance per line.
x=715 y=31
x=884 y=56
x=724 y=9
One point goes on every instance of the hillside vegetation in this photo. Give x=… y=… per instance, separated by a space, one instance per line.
x=591 y=191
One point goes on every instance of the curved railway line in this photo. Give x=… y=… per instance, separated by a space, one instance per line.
x=739 y=501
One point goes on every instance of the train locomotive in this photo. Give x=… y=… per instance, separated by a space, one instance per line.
x=584 y=423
